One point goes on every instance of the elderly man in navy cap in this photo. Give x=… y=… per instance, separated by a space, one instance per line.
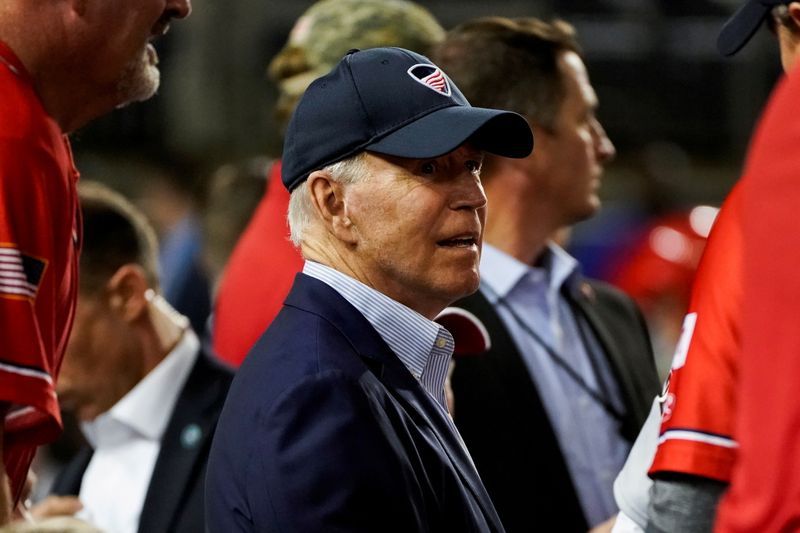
x=337 y=420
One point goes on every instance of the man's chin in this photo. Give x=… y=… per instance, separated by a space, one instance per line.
x=470 y=285
x=140 y=82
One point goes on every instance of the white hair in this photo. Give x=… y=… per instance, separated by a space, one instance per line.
x=301 y=210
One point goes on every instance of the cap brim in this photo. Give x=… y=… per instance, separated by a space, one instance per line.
x=442 y=131
x=741 y=27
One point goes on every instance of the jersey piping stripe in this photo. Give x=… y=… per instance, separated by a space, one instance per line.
x=28 y=372
x=697 y=436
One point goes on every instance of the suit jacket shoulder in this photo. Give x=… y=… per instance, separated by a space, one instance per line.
x=325 y=429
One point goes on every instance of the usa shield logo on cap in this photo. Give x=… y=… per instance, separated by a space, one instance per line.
x=431 y=77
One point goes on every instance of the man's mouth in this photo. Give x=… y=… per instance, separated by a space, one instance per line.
x=462 y=241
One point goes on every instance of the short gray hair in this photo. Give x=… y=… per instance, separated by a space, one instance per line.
x=301 y=211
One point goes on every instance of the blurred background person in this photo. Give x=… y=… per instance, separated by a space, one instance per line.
x=167 y=196
x=657 y=271
x=135 y=375
x=550 y=412
x=53 y=80
x=233 y=192
x=263 y=264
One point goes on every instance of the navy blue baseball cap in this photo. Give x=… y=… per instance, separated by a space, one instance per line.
x=395 y=102
x=741 y=27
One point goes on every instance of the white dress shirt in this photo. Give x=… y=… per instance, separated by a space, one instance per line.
x=127 y=439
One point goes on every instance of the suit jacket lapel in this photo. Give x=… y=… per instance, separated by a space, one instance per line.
x=315 y=296
x=413 y=395
x=514 y=373
x=183 y=446
x=584 y=301
x=68 y=482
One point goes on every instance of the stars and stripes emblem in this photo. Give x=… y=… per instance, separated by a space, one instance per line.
x=20 y=274
x=431 y=77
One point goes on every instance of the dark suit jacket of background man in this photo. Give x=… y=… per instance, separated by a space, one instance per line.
x=506 y=428
x=322 y=376
x=175 y=501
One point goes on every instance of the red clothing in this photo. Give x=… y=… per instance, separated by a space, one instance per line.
x=765 y=488
x=258 y=275
x=39 y=230
x=698 y=409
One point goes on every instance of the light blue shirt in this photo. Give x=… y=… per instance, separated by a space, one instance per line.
x=588 y=435
x=423 y=346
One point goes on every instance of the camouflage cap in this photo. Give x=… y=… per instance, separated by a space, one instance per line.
x=329 y=28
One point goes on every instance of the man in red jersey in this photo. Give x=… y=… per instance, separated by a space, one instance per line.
x=703 y=440
x=62 y=63
x=764 y=494
x=264 y=262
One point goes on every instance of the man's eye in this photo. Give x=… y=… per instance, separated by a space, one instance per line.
x=428 y=167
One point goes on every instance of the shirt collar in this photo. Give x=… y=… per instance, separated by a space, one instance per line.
x=147 y=408
x=564 y=270
x=501 y=272
x=411 y=336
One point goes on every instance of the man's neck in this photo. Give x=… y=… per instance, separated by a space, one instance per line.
x=515 y=222
x=513 y=230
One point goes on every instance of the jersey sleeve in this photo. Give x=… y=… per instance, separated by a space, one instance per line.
x=698 y=403
x=29 y=351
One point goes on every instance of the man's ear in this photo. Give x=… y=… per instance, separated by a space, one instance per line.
x=329 y=201
x=126 y=292
x=794 y=12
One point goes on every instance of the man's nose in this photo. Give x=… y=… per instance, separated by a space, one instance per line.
x=471 y=194
x=178 y=9
x=605 y=148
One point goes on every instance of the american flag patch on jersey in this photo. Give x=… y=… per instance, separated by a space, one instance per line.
x=20 y=274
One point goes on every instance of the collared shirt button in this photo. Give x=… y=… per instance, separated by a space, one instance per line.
x=441 y=342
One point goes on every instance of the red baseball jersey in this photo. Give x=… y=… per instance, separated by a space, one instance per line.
x=764 y=495
x=258 y=276
x=39 y=232
x=698 y=405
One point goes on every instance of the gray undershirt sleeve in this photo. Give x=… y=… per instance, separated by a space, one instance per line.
x=683 y=504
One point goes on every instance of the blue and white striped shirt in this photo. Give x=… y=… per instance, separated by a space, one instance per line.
x=423 y=346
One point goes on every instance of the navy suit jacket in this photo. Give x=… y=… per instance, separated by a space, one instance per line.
x=502 y=418
x=324 y=429
x=174 y=500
